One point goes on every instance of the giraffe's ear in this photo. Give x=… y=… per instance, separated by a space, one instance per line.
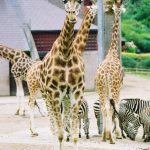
x=80 y=1
x=64 y=1
x=118 y=2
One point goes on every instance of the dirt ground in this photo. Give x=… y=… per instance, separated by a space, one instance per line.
x=15 y=135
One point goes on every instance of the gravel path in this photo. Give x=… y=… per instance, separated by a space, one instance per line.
x=14 y=133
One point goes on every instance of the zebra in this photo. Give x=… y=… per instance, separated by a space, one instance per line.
x=82 y=115
x=145 y=119
x=128 y=114
x=135 y=106
x=97 y=109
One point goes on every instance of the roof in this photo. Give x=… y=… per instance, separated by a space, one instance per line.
x=41 y=15
x=11 y=33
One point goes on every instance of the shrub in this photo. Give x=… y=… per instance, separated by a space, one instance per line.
x=132 y=60
x=131 y=50
x=128 y=62
x=145 y=63
x=135 y=31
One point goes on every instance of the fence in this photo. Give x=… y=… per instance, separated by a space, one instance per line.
x=138 y=71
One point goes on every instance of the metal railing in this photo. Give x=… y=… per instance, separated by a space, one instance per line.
x=139 y=71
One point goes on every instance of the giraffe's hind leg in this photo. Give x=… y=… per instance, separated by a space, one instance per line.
x=20 y=98
x=31 y=103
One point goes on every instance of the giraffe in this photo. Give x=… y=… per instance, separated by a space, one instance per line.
x=109 y=77
x=21 y=62
x=50 y=76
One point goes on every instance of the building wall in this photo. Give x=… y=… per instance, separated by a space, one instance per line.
x=4 y=77
x=91 y=64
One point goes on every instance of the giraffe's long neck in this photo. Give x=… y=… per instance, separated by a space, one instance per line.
x=66 y=36
x=11 y=54
x=113 y=50
x=81 y=38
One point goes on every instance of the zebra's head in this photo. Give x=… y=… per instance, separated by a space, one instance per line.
x=131 y=131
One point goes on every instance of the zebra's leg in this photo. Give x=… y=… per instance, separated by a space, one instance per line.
x=98 y=123
x=79 y=127
x=20 y=97
x=86 y=126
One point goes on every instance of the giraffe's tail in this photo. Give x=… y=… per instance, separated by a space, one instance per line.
x=109 y=93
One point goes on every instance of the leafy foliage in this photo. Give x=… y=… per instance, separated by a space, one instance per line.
x=136 y=23
x=132 y=60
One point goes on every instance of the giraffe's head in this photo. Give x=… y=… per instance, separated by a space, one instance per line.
x=72 y=8
x=117 y=7
x=118 y=3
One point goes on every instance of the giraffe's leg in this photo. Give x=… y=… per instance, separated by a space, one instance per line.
x=104 y=136
x=75 y=105
x=66 y=105
x=20 y=98
x=17 y=94
x=54 y=104
x=109 y=125
x=42 y=111
x=31 y=103
x=117 y=122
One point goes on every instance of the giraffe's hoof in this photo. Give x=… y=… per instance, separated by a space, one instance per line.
x=34 y=134
x=67 y=140
x=119 y=137
x=17 y=112
x=104 y=140
x=112 y=142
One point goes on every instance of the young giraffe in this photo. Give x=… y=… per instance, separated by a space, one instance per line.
x=20 y=65
x=52 y=75
x=109 y=79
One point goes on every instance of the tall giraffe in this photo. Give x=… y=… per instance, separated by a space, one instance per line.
x=20 y=65
x=109 y=77
x=77 y=66
x=51 y=76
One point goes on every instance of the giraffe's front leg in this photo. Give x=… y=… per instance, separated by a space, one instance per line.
x=75 y=103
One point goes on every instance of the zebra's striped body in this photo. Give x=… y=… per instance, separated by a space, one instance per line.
x=135 y=105
x=82 y=115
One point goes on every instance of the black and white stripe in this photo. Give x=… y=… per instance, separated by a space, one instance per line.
x=132 y=107
x=82 y=115
x=145 y=120
x=97 y=109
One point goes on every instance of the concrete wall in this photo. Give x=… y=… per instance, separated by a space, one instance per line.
x=90 y=60
x=4 y=77
x=91 y=64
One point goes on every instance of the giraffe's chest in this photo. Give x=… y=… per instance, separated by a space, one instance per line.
x=63 y=73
